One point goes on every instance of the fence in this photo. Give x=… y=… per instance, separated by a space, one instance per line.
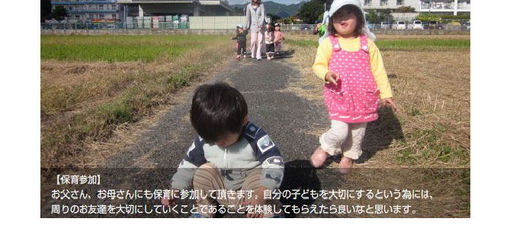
x=205 y=24
x=116 y=26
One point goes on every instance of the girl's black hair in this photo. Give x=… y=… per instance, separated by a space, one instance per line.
x=217 y=109
x=342 y=12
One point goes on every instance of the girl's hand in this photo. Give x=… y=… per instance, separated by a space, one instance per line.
x=389 y=101
x=332 y=77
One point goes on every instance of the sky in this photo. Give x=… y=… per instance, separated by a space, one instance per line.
x=285 y=2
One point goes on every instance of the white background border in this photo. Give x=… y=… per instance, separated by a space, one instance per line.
x=20 y=132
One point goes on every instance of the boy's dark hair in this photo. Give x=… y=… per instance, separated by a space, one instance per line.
x=217 y=109
x=344 y=10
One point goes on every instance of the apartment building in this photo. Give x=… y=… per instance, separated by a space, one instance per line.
x=422 y=6
x=89 y=10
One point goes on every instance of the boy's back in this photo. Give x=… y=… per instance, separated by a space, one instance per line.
x=254 y=149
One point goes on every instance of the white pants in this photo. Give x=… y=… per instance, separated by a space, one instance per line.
x=256 y=44
x=344 y=138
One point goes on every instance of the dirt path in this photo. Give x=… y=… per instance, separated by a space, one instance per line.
x=285 y=116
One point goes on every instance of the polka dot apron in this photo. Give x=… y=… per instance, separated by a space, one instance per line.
x=356 y=97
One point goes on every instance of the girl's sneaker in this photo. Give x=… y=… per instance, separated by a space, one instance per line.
x=238 y=58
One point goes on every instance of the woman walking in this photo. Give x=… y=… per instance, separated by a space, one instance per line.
x=255 y=16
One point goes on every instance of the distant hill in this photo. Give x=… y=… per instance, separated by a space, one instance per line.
x=276 y=8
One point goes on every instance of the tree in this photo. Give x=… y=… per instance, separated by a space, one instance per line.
x=45 y=10
x=405 y=9
x=310 y=11
x=428 y=17
x=385 y=15
x=274 y=18
x=59 y=13
x=375 y=17
x=287 y=20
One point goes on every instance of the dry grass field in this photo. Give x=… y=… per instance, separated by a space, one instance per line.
x=90 y=86
x=426 y=143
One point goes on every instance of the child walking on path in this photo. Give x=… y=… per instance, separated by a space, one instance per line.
x=241 y=41
x=269 y=40
x=278 y=38
x=355 y=79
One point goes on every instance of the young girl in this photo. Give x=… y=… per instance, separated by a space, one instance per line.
x=355 y=79
x=269 y=38
x=278 y=38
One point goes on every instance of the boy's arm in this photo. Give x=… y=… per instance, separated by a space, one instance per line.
x=380 y=76
x=268 y=154
x=194 y=158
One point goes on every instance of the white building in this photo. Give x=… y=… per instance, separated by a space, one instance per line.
x=422 y=6
x=141 y=8
x=89 y=10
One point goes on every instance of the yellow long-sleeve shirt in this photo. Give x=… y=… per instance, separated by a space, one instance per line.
x=325 y=50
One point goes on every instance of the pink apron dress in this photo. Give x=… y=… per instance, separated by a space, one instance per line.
x=356 y=97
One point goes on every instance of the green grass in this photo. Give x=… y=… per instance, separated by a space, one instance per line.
x=402 y=44
x=119 y=48
x=413 y=44
x=427 y=145
x=302 y=43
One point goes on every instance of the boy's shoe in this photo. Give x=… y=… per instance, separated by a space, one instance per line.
x=345 y=165
x=282 y=215
x=244 y=57
x=197 y=215
x=318 y=158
